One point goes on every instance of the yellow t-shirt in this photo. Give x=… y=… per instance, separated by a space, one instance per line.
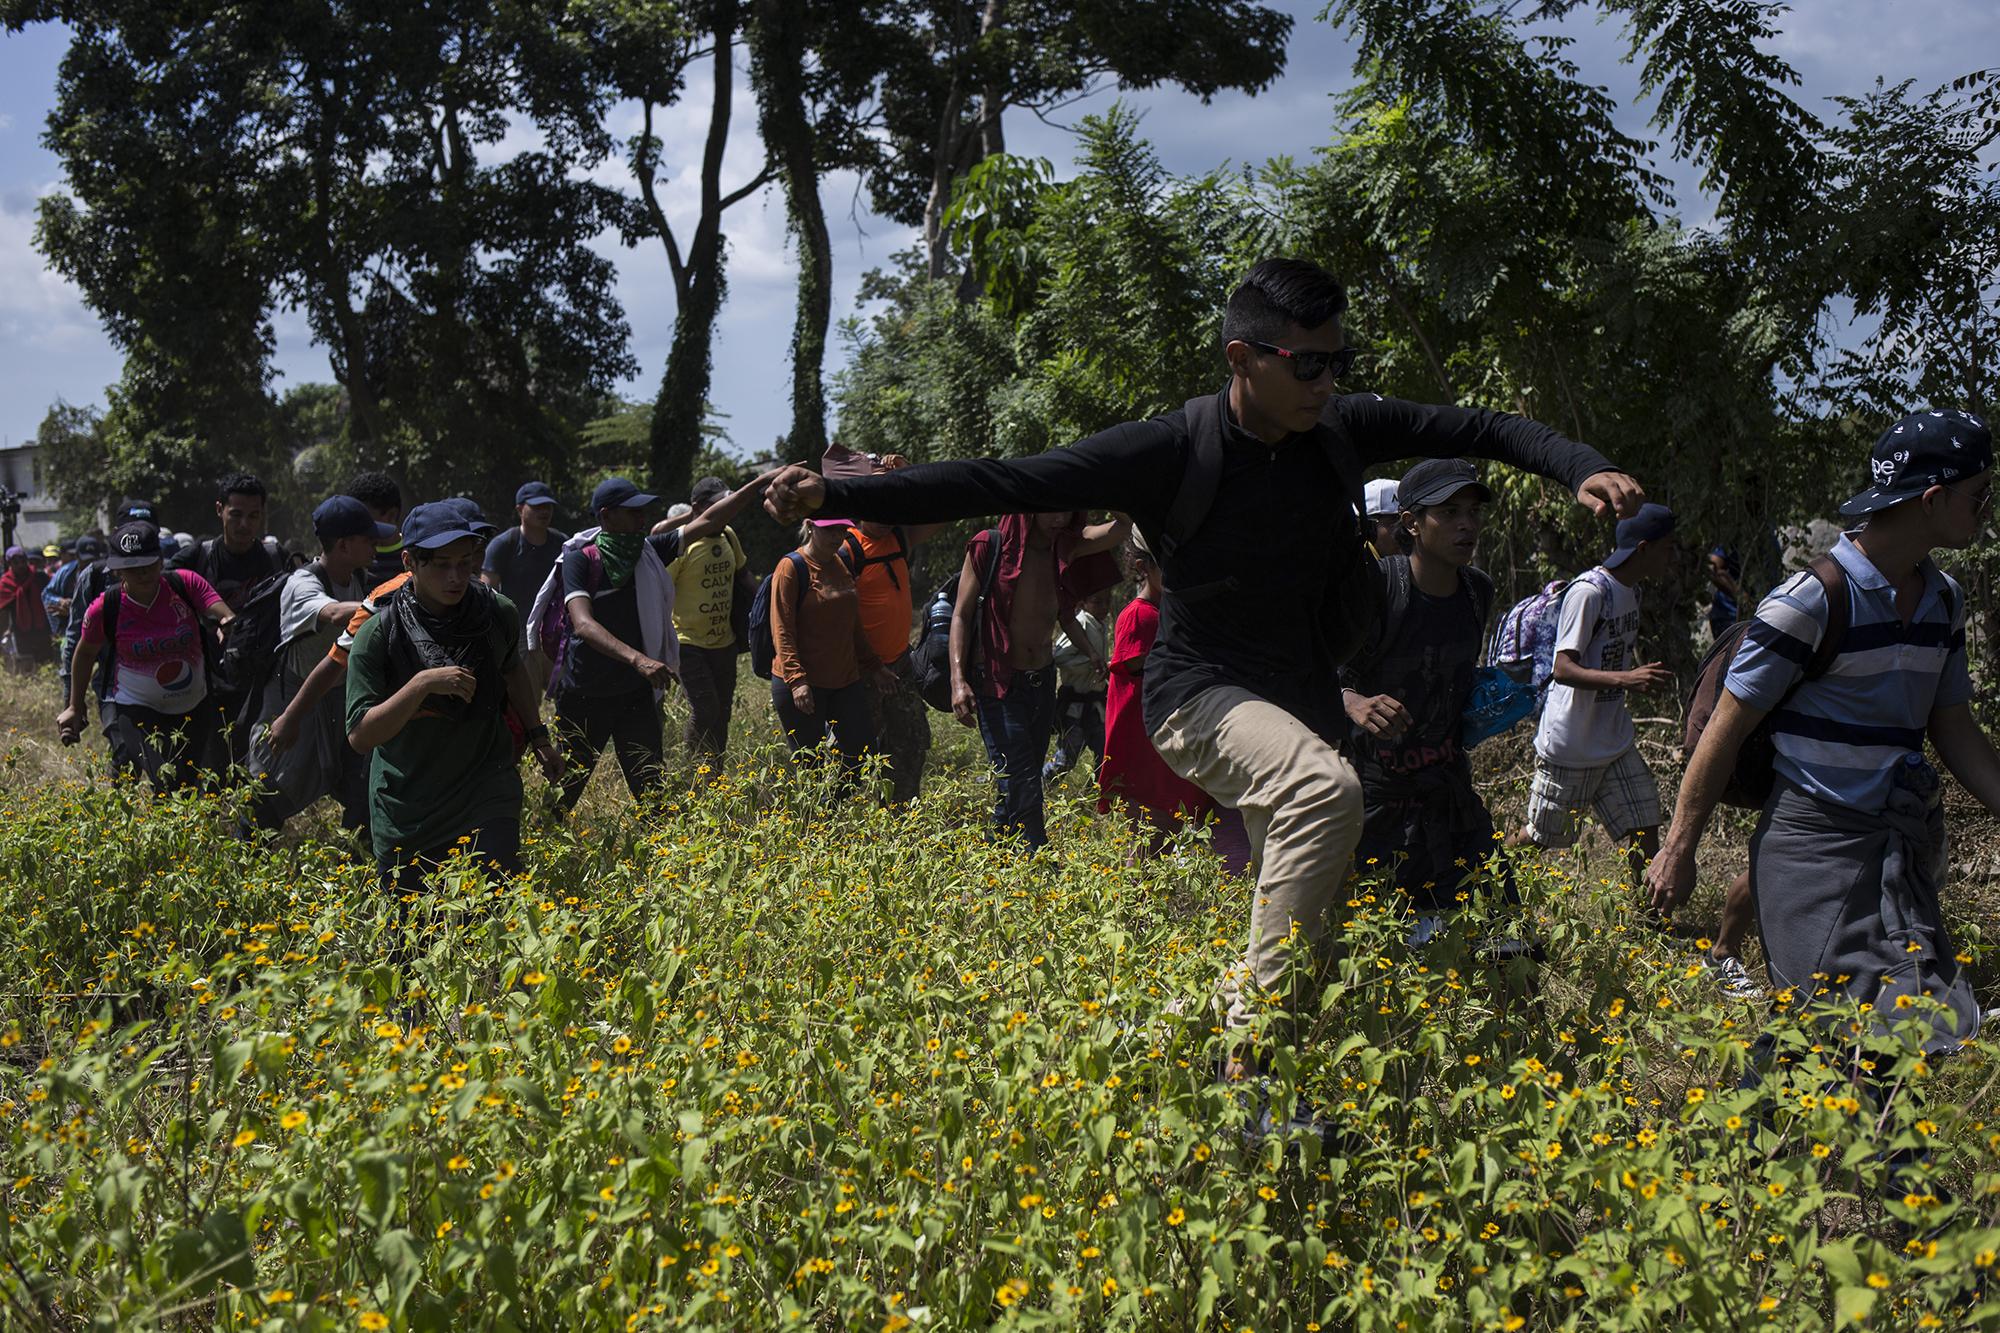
x=704 y=575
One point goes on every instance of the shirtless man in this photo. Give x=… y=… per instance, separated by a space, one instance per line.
x=1002 y=669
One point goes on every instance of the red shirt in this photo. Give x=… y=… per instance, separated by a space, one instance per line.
x=1133 y=770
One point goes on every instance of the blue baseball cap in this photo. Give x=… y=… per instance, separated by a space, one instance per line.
x=475 y=517
x=1923 y=450
x=534 y=493
x=439 y=523
x=619 y=493
x=1652 y=523
x=344 y=516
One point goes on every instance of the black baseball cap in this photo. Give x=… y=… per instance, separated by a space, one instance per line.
x=707 y=491
x=134 y=546
x=1923 y=450
x=439 y=523
x=1652 y=523
x=619 y=493
x=534 y=493
x=131 y=508
x=344 y=516
x=90 y=546
x=1436 y=480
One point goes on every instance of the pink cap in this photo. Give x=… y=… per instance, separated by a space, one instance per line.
x=830 y=523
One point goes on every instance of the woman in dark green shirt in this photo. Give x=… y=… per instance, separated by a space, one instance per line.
x=429 y=681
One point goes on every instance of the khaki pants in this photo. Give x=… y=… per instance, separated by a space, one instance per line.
x=1301 y=805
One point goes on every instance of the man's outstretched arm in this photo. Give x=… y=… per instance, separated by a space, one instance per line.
x=1132 y=468
x=1387 y=429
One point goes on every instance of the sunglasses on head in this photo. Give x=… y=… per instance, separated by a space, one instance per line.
x=1310 y=366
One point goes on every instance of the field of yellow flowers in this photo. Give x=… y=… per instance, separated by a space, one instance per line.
x=743 y=1062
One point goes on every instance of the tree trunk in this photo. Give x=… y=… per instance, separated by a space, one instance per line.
x=683 y=396
x=778 y=53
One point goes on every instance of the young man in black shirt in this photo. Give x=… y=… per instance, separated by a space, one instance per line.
x=233 y=564
x=1406 y=693
x=518 y=562
x=1241 y=691
x=622 y=649
x=238 y=560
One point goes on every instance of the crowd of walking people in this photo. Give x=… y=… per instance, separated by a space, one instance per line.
x=1308 y=658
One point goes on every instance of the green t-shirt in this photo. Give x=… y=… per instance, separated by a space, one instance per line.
x=436 y=780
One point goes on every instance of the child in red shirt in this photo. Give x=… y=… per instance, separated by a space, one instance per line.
x=1132 y=770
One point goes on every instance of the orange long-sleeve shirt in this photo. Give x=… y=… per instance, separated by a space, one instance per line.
x=817 y=638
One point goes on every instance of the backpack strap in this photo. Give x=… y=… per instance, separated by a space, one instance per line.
x=1839 y=614
x=1201 y=476
x=806 y=577
x=1479 y=587
x=992 y=570
x=1396 y=584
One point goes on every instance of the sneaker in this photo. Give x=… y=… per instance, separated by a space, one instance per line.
x=1734 y=978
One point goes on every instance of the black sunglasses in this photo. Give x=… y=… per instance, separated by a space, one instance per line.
x=1310 y=366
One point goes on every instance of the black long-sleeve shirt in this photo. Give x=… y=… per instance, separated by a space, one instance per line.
x=1281 y=520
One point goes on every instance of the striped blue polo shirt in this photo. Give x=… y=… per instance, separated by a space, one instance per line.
x=1841 y=736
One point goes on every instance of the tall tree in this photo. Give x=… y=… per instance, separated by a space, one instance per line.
x=954 y=68
x=651 y=49
x=227 y=160
x=816 y=66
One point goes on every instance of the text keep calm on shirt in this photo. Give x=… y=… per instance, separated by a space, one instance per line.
x=158 y=652
x=704 y=574
x=1600 y=624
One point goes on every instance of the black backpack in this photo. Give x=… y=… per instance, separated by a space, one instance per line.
x=930 y=660
x=1356 y=588
x=763 y=649
x=857 y=561
x=107 y=657
x=250 y=647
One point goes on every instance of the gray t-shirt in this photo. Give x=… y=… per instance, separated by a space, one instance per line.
x=521 y=567
x=305 y=637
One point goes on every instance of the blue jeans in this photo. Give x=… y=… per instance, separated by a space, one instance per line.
x=1016 y=732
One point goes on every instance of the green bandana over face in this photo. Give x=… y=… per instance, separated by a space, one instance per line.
x=620 y=552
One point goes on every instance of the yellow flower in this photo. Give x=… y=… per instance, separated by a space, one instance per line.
x=444 y=1229
x=244 y=1139
x=607 y=1194
x=1266 y=1193
x=1012 y=1290
x=1768 y=1304
x=1030 y=1200
x=1110 y=1287
x=1696 y=1096
x=458 y=1163
x=1877 y=1281
x=278 y=1294
x=621 y=1044
x=1176 y=1217
x=293 y=1119
x=388 y=1031
x=374 y=1321
x=533 y=978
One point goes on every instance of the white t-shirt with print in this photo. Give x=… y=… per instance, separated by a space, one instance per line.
x=1599 y=622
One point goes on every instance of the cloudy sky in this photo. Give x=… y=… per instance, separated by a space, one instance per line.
x=52 y=347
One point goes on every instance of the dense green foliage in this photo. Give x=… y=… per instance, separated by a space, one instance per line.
x=742 y=1062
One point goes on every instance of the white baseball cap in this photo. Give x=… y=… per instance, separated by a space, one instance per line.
x=1380 y=496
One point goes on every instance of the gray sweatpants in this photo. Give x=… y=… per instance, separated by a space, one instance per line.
x=1847 y=903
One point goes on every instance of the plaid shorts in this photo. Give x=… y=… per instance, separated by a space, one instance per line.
x=1622 y=792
